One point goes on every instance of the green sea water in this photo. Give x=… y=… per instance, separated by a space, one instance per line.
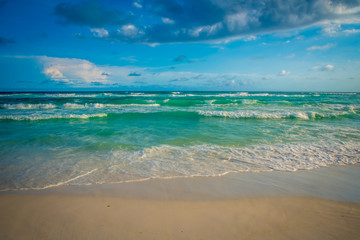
x=53 y=139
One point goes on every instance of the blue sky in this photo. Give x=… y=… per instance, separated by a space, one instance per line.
x=237 y=45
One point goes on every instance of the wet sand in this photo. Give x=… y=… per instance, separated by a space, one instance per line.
x=316 y=204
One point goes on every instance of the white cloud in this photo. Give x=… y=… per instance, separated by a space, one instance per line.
x=167 y=20
x=334 y=29
x=284 y=73
x=351 y=31
x=83 y=73
x=130 y=31
x=331 y=29
x=99 y=32
x=237 y=21
x=325 y=68
x=138 y=5
x=208 y=30
x=55 y=74
x=325 y=47
x=290 y=56
x=328 y=68
x=249 y=38
x=72 y=70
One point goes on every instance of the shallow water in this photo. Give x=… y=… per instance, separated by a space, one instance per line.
x=52 y=139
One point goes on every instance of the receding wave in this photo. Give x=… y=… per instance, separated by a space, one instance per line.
x=51 y=116
x=167 y=161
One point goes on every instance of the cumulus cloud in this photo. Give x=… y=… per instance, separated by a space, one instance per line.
x=99 y=32
x=210 y=20
x=324 y=47
x=284 y=73
x=167 y=20
x=91 y=13
x=72 y=70
x=128 y=33
x=351 y=31
x=138 y=5
x=55 y=74
x=325 y=68
x=331 y=29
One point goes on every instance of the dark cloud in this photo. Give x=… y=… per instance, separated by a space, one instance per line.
x=90 y=13
x=105 y=74
x=169 y=21
x=5 y=41
x=179 y=58
x=199 y=12
x=134 y=74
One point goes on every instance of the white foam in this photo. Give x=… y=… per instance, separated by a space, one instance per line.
x=182 y=95
x=270 y=114
x=141 y=95
x=101 y=105
x=73 y=106
x=69 y=95
x=28 y=106
x=209 y=160
x=167 y=162
x=62 y=182
x=52 y=116
x=249 y=101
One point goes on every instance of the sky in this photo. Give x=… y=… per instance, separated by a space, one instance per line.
x=180 y=45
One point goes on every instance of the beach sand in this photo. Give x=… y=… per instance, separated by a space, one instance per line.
x=276 y=205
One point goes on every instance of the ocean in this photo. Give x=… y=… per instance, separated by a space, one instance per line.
x=83 y=138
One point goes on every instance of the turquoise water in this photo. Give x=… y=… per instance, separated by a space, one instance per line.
x=52 y=139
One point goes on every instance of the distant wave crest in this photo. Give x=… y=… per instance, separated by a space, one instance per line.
x=272 y=115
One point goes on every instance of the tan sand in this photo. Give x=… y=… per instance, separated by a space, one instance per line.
x=275 y=205
x=52 y=216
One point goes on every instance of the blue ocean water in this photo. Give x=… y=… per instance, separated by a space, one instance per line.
x=53 y=139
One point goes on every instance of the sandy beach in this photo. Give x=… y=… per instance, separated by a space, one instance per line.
x=235 y=206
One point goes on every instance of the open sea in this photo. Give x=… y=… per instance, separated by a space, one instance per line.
x=82 y=138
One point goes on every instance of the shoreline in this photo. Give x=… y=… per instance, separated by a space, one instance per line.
x=322 y=203
x=338 y=183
